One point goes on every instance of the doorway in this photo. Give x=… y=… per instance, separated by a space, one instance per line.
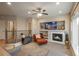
x=10 y=32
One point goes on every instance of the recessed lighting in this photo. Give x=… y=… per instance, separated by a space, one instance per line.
x=60 y=12
x=57 y=3
x=9 y=3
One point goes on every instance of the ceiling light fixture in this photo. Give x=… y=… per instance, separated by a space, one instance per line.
x=9 y=3
x=60 y=12
x=57 y=3
x=39 y=14
x=29 y=12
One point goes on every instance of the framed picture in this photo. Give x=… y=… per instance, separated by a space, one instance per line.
x=61 y=25
x=43 y=25
x=55 y=25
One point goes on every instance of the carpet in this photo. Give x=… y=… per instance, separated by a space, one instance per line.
x=32 y=49
x=56 y=49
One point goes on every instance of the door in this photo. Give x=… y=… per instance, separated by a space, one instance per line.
x=10 y=31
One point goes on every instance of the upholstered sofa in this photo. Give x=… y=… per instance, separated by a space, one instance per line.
x=27 y=40
x=39 y=39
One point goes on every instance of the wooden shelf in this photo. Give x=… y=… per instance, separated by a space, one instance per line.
x=45 y=33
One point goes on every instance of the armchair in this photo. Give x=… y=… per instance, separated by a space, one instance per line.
x=38 y=38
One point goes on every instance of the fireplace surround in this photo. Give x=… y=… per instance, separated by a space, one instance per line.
x=58 y=37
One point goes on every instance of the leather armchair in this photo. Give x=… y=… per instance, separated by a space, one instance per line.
x=39 y=40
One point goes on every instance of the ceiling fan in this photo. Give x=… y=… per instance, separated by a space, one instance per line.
x=39 y=11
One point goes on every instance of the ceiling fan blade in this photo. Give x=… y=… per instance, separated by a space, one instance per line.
x=45 y=13
x=44 y=10
x=34 y=13
x=39 y=8
x=35 y=10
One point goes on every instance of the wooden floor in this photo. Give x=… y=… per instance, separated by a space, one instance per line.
x=2 y=42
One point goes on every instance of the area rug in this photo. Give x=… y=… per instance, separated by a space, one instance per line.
x=32 y=49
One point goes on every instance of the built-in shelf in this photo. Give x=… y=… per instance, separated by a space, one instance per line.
x=45 y=33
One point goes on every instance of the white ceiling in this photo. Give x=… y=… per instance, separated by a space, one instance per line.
x=21 y=8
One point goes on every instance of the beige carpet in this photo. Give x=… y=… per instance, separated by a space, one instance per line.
x=32 y=49
x=56 y=49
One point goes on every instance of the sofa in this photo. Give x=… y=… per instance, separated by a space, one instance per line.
x=27 y=40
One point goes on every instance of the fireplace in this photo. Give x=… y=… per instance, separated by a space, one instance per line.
x=58 y=37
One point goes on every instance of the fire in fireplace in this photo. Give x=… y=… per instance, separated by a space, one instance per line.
x=57 y=37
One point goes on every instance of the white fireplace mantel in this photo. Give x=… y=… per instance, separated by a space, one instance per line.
x=58 y=32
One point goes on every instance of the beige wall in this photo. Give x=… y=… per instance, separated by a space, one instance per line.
x=2 y=29
x=35 y=26
x=19 y=24
x=22 y=23
x=3 y=20
x=75 y=9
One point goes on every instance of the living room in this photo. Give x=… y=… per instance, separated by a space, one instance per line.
x=55 y=20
